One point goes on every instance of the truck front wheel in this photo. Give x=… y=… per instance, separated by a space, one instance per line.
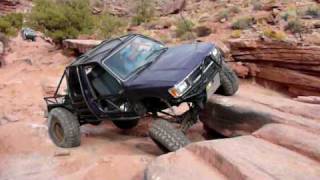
x=229 y=81
x=64 y=128
x=167 y=137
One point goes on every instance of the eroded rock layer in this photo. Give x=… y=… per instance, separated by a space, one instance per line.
x=294 y=67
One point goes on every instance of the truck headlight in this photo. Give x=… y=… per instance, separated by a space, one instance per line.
x=215 y=52
x=216 y=55
x=179 y=89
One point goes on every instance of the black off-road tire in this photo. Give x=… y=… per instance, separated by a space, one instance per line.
x=126 y=124
x=229 y=81
x=64 y=128
x=167 y=137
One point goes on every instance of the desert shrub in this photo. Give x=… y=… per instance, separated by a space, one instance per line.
x=227 y=13
x=236 y=34
x=11 y=23
x=165 y=38
x=144 y=12
x=234 y=10
x=313 y=11
x=97 y=3
x=62 y=19
x=289 y=14
x=274 y=34
x=223 y=14
x=295 y=26
x=257 y=5
x=243 y=23
x=109 y=26
x=184 y=29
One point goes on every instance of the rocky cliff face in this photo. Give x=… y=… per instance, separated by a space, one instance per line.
x=8 y=5
x=291 y=66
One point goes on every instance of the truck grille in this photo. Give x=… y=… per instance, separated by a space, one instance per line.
x=207 y=68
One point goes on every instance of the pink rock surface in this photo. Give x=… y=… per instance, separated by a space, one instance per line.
x=252 y=107
x=292 y=138
x=239 y=158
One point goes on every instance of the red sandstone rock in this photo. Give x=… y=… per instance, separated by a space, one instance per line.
x=296 y=67
x=246 y=112
x=238 y=158
x=81 y=46
x=292 y=138
x=173 y=7
x=309 y=99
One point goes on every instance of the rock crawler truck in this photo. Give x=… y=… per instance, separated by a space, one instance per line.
x=133 y=76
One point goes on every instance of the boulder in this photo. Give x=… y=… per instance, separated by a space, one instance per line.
x=118 y=11
x=172 y=7
x=80 y=45
x=239 y=68
x=203 y=31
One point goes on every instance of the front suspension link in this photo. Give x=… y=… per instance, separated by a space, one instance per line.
x=189 y=118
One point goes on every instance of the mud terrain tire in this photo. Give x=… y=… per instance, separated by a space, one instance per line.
x=126 y=124
x=167 y=137
x=64 y=128
x=229 y=81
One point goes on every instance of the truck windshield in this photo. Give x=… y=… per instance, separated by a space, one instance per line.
x=132 y=56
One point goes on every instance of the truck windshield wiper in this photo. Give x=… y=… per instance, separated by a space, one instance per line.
x=156 y=51
x=142 y=67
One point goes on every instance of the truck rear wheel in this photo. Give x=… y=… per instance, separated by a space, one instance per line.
x=64 y=128
x=126 y=124
x=229 y=81
x=167 y=137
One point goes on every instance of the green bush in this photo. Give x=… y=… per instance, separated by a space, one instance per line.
x=243 y=23
x=62 y=19
x=257 y=5
x=184 y=29
x=108 y=26
x=234 y=9
x=289 y=14
x=313 y=11
x=226 y=13
x=11 y=23
x=144 y=12
x=223 y=14
x=295 y=26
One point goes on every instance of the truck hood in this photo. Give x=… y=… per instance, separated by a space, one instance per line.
x=172 y=66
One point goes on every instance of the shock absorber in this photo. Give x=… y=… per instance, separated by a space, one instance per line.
x=190 y=117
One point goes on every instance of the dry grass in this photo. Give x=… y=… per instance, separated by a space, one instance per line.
x=274 y=34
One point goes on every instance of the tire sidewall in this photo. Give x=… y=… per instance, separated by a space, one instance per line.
x=52 y=120
x=70 y=127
